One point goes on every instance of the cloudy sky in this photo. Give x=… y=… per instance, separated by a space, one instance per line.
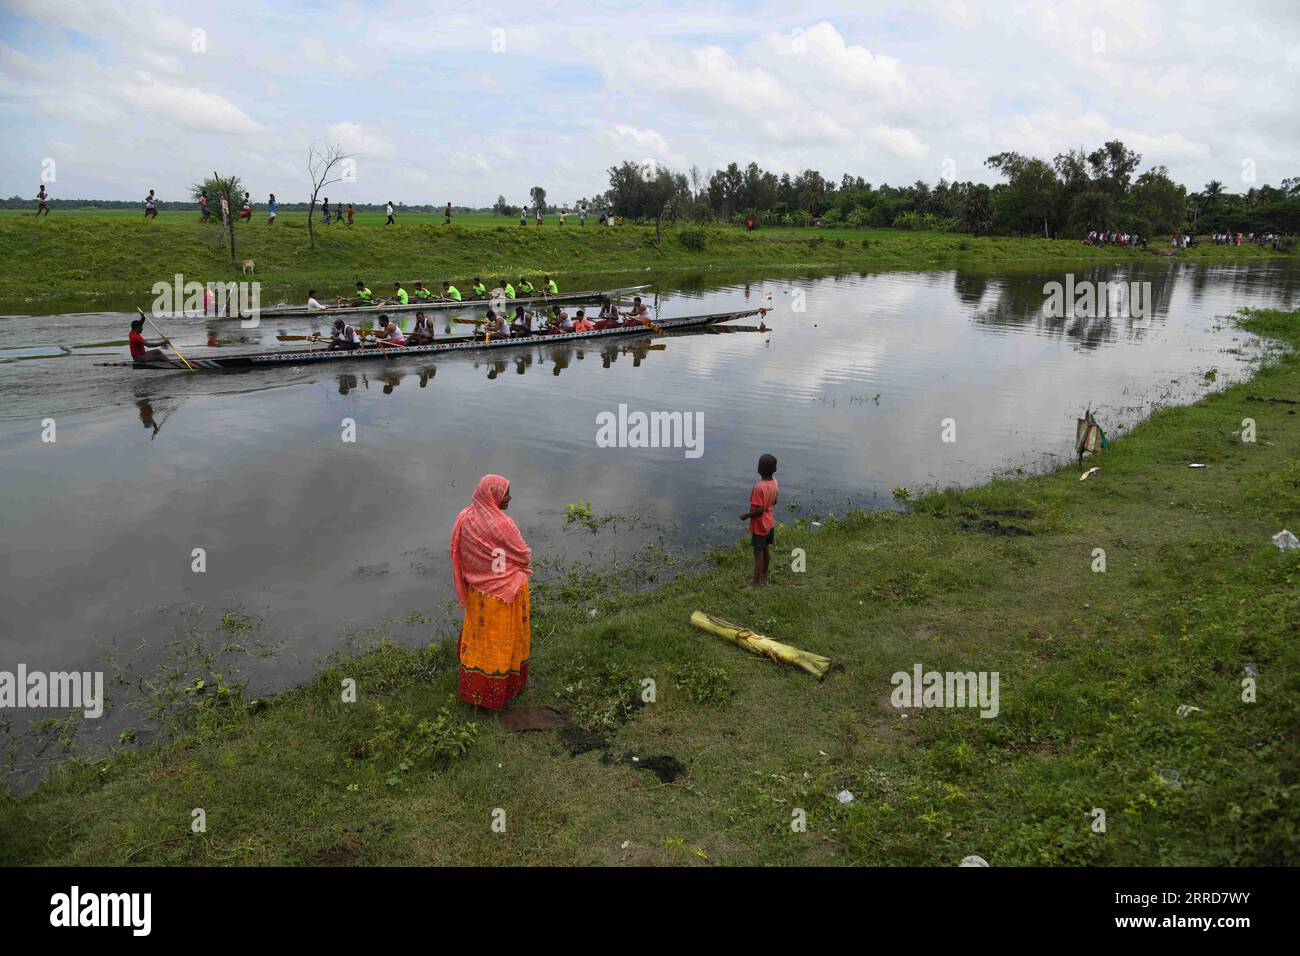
x=462 y=101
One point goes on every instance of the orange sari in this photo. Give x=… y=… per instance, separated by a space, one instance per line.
x=491 y=563
x=493 y=649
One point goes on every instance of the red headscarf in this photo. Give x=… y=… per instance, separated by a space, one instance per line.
x=483 y=536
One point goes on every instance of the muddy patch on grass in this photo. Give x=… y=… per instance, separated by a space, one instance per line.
x=577 y=741
x=986 y=521
x=350 y=847
x=996 y=528
x=666 y=768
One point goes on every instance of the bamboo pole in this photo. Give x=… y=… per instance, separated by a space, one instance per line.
x=814 y=664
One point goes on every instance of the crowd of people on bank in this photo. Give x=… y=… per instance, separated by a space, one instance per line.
x=1111 y=237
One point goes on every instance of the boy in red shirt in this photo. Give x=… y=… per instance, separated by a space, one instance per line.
x=762 y=525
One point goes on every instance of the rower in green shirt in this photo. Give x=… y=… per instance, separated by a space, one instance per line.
x=421 y=293
x=525 y=287
x=400 y=294
x=551 y=287
x=449 y=291
x=363 y=293
x=509 y=289
x=480 y=290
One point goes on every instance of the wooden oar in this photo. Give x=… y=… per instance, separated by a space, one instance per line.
x=164 y=338
x=639 y=318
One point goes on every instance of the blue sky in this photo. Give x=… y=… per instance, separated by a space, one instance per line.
x=464 y=102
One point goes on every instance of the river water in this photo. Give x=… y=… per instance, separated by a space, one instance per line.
x=315 y=536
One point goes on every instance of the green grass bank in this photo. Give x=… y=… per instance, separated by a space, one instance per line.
x=1193 y=601
x=81 y=261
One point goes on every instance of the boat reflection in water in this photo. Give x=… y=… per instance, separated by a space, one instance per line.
x=557 y=357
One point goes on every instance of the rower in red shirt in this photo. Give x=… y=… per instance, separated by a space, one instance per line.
x=141 y=349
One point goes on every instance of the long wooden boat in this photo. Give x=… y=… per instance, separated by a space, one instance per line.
x=460 y=343
x=428 y=305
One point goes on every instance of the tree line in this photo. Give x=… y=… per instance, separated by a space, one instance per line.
x=1065 y=198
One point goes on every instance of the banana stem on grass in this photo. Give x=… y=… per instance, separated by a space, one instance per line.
x=814 y=664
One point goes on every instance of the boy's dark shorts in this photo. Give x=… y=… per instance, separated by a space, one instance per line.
x=762 y=541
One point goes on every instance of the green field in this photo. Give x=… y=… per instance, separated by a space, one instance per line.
x=474 y=219
x=1093 y=666
x=92 y=259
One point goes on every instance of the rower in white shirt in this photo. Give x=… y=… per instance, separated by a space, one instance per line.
x=344 y=337
x=312 y=304
x=523 y=322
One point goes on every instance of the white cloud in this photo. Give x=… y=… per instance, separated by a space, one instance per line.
x=162 y=62
x=900 y=142
x=361 y=140
x=886 y=93
x=188 y=108
x=825 y=61
x=645 y=144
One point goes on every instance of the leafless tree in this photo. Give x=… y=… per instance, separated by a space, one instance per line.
x=698 y=179
x=326 y=165
x=227 y=191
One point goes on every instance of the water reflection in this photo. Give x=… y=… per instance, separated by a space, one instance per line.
x=848 y=393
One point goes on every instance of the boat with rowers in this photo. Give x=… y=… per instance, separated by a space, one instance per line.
x=362 y=309
x=461 y=343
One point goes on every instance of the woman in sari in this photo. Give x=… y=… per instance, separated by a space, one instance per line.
x=491 y=565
